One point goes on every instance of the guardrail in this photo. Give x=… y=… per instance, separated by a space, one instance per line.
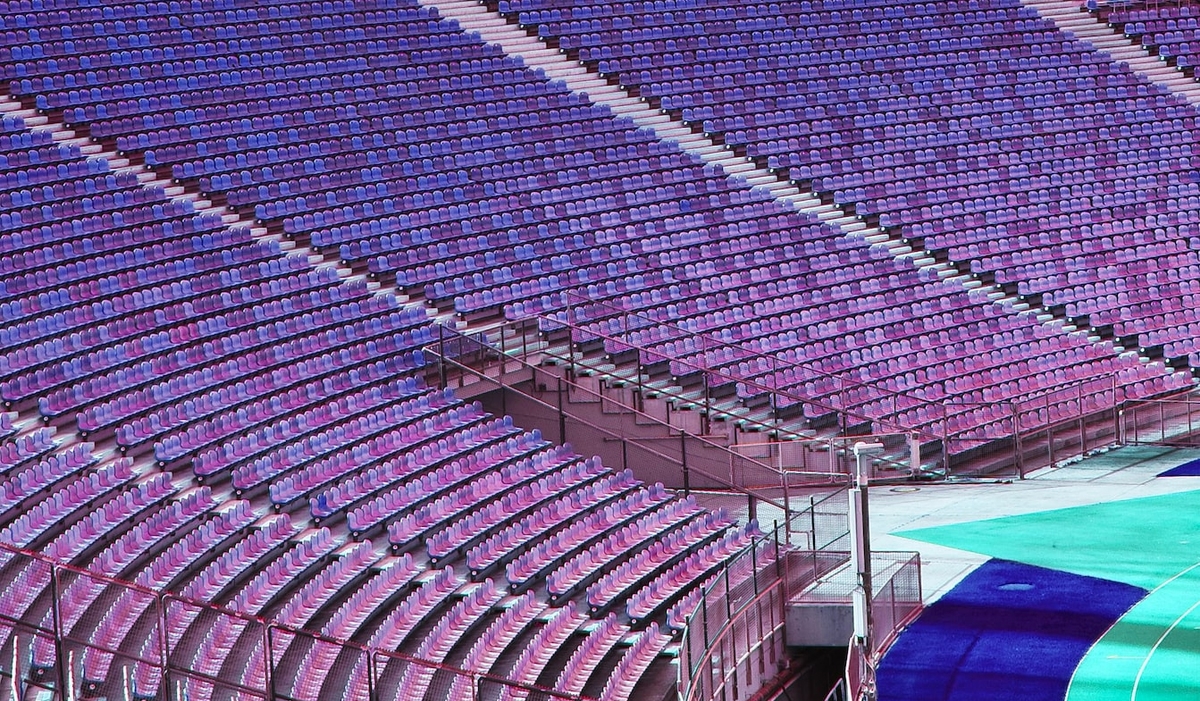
x=773 y=473
x=1172 y=422
x=46 y=608
x=895 y=602
x=733 y=642
x=1015 y=439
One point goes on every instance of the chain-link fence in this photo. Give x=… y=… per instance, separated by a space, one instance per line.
x=821 y=525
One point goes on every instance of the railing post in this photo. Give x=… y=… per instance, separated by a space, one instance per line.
x=61 y=658
x=372 y=681
x=503 y=351
x=1017 y=442
x=945 y=443
x=1050 y=444
x=683 y=461
x=706 y=422
x=442 y=354
x=164 y=646
x=269 y=661
x=1082 y=422
x=562 y=416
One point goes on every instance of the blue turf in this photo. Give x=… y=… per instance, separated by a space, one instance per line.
x=1018 y=643
x=1191 y=468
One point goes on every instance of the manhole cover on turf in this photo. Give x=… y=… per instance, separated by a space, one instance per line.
x=1016 y=586
x=905 y=490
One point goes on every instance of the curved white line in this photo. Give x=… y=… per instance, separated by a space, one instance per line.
x=1152 y=592
x=1137 y=681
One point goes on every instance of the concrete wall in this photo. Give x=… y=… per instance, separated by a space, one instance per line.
x=651 y=450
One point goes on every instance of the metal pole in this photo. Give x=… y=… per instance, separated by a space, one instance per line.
x=1082 y=421
x=268 y=663
x=372 y=681
x=687 y=478
x=164 y=642
x=1016 y=429
x=442 y=354
x=860 y=555
x=60 y=658
x=562 y=417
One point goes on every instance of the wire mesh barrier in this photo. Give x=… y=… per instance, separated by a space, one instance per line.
x=733 y=642
x=69 y=633
x=822 y=525
x=895 y=602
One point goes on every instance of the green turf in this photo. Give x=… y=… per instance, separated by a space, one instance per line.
x=1153 y=652
x=1142 y=542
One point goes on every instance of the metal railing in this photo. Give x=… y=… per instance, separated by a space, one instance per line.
x=1172 y=422
x=895 y=602
x=989 y=445
x=733 y=641
x=773 y=473
x=51 y=615
x=838 y=393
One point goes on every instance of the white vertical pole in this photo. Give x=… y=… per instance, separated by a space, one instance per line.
x=860 y=557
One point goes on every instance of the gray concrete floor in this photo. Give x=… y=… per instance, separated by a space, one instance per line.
x=1122 y=473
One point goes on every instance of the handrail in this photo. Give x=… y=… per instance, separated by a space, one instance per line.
x=550 y=321
x=939 y=409
x=523 y=363
x=161 y=602
x=523 y=352
x=690 y=683
x=580 y=362
x=500 y=381
x=717 y=343
x=711 y=342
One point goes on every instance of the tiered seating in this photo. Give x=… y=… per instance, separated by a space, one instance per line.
x=1167 y=29
x=968 y=145
x=398 y=173
x=651 y=540
x=427 y=158
x=304 y=474
x=483 y=654
x=738 y=572
x=647 y=600
x=477 y=182
x=243 y=456
x=529 y=666
x=448 y=475
x=643 y=565
x=73 y=497
x=130 y=608
x=598 y=644
x=633 y=664
x=489 y=486
x=446 y=634
x=503 y=546
x=647 y=507
x=314 y=671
